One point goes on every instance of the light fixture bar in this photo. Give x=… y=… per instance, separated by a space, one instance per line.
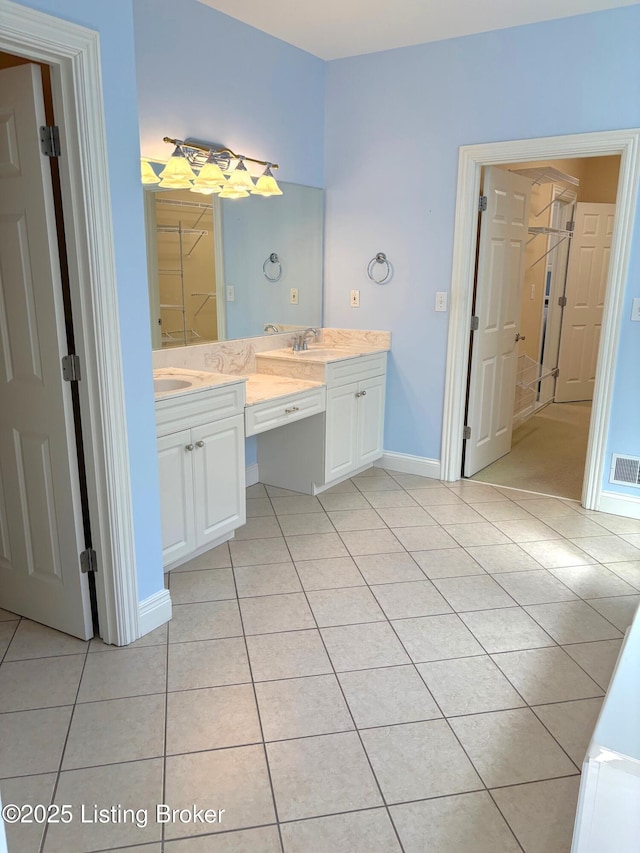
x=216 y=151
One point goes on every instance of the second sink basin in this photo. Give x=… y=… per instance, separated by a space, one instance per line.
x=169 y=384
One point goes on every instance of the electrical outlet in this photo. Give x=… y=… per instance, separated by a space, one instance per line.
x=635 y=310
x=231 y=293
x=532 y=293
x=441 y=300
x=354 y=299
x=293 y=296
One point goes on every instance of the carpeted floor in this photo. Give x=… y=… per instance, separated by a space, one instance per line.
x=547 y=453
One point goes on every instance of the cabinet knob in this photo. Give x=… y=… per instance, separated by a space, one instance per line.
x=199 y=443
x=357 y=393
x=189 y=447
x=363 y=394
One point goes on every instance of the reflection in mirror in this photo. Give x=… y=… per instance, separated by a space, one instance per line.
x=211 y=272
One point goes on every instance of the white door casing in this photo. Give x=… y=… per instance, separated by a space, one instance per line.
x=585 y=294
x=73 y=54
x=472 y=158
x=42 y=530
x=501 y=256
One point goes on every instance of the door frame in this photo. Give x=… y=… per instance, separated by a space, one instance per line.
x=472 y=158
x=73 y=53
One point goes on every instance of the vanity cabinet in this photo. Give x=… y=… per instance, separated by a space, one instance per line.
x=316 y=453
x=355 y=420
x=202 y=470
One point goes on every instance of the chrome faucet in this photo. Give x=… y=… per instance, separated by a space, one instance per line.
x=303 y=336
x=271 y=328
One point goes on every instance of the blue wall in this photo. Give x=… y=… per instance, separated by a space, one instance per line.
x=394 y=123
x=204 y=75
x=114 y=23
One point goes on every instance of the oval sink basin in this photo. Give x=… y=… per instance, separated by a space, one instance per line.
x=169 y=384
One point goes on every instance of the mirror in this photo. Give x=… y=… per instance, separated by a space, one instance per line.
x=221 y=269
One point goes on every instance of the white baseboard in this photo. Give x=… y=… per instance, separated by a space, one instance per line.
x=252 y=475
x=407 y=464
x=154 y=611
x=626 y=505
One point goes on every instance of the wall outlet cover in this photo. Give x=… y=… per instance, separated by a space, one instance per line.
x=293 y=295
x=231 y=293
x=354 y=299
x=441 y=300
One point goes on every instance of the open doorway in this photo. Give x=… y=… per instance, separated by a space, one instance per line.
x=471 y=160
x=563 y=280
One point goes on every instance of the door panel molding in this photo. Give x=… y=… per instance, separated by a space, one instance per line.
x=471 y=159
x=73 y=52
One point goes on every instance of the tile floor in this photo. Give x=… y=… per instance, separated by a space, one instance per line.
x=398 y=664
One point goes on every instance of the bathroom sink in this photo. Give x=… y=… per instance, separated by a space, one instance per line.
x=169 y=384
x=321 y=352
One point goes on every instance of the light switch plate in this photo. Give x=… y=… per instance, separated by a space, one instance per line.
x=231 y=293
x=635 y=310
x=441 y=300
x=354 y=299
x=293 y=295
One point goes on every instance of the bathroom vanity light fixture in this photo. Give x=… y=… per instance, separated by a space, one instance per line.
x=207 y=169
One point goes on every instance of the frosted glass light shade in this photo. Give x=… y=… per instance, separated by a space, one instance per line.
x=210 y=175
x=241 y=179
x=204 y=190
x=232 y=192
x=177 y=173
x=266 y=184
x=147 y=175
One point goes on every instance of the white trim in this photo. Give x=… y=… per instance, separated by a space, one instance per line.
x=252 y=475
x=73 y=53
x=408 y=464
x=154 y=611
x=616 y=504
x=471 y=159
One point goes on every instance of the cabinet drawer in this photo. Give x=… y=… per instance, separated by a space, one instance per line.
x=201 y=407
x=284 y=410
x=355 y=369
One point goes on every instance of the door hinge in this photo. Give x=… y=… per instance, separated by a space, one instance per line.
x=50 y=140
x=555 y=372
x=88 y=561
x=475 y=323
x=466 y=433
x=71 y=368
x=562 y=301
x=482 y=203
x=571 y=225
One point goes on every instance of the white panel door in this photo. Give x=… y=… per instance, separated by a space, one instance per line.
x=40 y=509
x=502 y=243
x=341 y=453
x=370 y=419
x=585 y=292
x=218 y=478
x=175 y=468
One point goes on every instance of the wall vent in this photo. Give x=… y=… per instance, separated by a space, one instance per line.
x=625 y=470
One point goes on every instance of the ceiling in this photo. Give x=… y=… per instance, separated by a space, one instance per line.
x=332 y=29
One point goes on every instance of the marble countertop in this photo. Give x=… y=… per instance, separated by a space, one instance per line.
x=323 y=353
x=199 y=380
x=266 y=386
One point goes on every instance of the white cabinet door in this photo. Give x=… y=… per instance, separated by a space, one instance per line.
x=219 y=478
x=370 y=419
x=175 y=467
x=341 y=447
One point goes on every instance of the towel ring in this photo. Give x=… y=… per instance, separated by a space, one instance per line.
x=380 y=258
x=275 y=260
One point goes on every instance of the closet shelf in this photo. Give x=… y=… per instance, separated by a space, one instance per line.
x=547 y=175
